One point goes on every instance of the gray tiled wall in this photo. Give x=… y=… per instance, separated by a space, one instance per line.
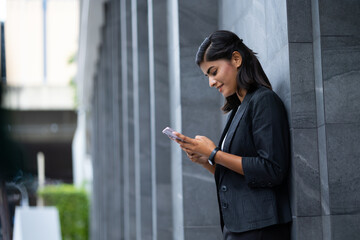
x=201 y=115
x=310 y=51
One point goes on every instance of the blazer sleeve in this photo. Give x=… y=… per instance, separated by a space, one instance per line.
x=270 y=132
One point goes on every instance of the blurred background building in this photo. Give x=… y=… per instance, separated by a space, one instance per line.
x=40 y=42
x=136 y=75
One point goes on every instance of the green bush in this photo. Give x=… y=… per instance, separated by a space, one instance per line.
x=73 y=206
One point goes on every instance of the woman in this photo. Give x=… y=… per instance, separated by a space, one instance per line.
x=251 y=161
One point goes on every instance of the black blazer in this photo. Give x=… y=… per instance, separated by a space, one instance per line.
x=259 y=133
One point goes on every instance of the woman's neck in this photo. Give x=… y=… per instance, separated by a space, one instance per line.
x=241 y=94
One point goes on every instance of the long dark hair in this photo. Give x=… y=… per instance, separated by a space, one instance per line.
x=221 y=45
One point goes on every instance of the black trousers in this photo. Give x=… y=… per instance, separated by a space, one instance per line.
x=274 y=232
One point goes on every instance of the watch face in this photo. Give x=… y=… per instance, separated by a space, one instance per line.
x=210 y=162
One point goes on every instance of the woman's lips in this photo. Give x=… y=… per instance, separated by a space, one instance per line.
x=220 y=87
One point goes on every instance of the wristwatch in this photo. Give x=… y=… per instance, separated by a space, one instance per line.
x=212 y=156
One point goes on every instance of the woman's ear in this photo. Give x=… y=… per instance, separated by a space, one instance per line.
x=236 y=59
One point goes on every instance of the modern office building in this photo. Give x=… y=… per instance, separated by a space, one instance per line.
x=40 y=38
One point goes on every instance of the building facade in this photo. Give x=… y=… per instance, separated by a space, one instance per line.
x=137 y=75
x=38 y=40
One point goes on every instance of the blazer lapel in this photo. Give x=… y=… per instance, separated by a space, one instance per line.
x=236 y=120
x=228 y=121
x=230 y=130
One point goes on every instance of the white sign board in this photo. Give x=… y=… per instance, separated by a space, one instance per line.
x=40 y=223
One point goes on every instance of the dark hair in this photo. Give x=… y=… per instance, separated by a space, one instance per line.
x=221 y=45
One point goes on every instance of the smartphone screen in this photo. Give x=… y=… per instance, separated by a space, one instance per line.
x=169 y=132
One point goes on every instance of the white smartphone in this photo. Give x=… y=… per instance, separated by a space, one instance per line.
x=169 y=132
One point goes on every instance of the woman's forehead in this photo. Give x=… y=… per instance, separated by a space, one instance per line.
x=207 y=65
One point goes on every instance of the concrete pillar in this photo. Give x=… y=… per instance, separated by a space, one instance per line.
x=125 y=117
x=336 y=53
x=94 y=231
x=306 y=188
x=108 y=163
x=142 y=127
x=106 y=210
x=132 y=228
x=114 y=166
x=101 y=156
x=195 y=210
x=160 y=118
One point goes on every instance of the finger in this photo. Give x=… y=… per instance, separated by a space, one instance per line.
x=183 y=148
x=186 y=145
x=198 y=137
x=183 y=137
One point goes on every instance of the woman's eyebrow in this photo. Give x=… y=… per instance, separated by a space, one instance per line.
x=208 y=71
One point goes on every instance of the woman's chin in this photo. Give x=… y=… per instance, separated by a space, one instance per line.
x=226 y=94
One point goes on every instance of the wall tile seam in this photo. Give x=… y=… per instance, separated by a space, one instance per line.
x=342 y=73
x=303 y=128
x=339 y=214
x=339 y=123
x=309 y=216
x=202 y=227
x=340 y=35
x=292 y=42
x=294 y=218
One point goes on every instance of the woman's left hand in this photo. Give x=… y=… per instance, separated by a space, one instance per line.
x=197 y=158
x=200 y=144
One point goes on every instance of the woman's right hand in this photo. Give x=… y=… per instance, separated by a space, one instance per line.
x=197 y=158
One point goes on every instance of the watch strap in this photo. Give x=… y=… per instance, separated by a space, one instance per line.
x=212 y=156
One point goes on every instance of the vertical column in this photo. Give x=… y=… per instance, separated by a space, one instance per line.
x=175 y=118
x=338 y=49
x=144 y=140
x=160 y=118
x=320 y=113
x=108 y=127
x=306 y=187
x=125 y=114
x=192 y=101
x=117 y=210
x=94 y=153
x=131 y=124
x=154 y=232
x=136 y=143
x=101 y=155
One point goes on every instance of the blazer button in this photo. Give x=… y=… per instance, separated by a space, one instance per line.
x=270 y=184
x=223 y=188
x=225 y=205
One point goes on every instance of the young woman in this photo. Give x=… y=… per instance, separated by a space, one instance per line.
x=251 y=161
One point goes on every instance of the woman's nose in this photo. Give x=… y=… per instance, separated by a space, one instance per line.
x=212 y=82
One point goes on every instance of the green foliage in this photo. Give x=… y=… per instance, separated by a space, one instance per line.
x=74 y=87
x=73 y=206
x=72 y=60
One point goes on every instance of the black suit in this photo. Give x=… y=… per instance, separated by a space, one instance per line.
x=259 y=133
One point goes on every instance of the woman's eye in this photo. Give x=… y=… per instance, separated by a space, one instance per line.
x=214 y=73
